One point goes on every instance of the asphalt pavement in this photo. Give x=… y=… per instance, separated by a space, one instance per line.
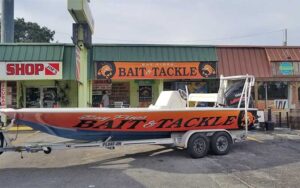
x=265 y=160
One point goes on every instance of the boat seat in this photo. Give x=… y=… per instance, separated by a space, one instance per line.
x=169 y=100
x=203 y=97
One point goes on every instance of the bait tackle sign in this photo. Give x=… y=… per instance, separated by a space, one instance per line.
x=154 y=70
x=144 y=121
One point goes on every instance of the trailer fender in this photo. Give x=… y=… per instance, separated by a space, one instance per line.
x=209 y=132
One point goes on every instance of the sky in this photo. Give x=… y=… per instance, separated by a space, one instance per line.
x=195 y=22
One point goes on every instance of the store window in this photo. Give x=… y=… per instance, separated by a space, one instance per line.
x=204 y=86
x=274 y=90
x=99 y=86
x=120 y=94
x=45 y=97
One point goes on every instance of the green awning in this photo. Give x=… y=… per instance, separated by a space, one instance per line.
x=131 y=53
x=31 y=52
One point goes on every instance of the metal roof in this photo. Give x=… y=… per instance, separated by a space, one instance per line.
x=243 y=60
x=283 y=54
x=104 y=52
x=31 y=52
x=69 y=63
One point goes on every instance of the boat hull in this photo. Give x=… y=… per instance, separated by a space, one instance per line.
x=128 y=124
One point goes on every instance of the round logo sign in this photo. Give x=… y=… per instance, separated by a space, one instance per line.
x=242 y=119
x=286 y=68
x=207 y=69
x=105 y=70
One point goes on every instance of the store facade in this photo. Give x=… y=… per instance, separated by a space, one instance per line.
x=134 y=75
x=276 y=70
x=37 y=76
x=44 y=75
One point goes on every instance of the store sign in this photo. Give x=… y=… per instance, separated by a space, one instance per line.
x=281 y=103
x=155 y=70
x=3 y=95
x=286 y=68
x=30 y=70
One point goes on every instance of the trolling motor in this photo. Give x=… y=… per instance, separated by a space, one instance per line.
x=233 y=95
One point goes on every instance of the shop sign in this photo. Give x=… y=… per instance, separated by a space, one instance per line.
x=154 y=70
x=3 y=95
x=286 y=68
x=30 y=70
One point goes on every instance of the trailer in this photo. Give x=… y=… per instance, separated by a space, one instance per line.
x=197 y=142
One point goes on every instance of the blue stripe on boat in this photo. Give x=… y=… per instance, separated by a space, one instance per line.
x=92 y=135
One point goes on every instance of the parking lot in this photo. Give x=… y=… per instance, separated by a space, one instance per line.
x=265 y=160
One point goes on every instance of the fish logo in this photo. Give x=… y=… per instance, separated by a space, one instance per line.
x=242 y=119
x=207 y=70
x=106 y=70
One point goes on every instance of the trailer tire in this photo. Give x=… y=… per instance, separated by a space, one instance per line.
x=47 y=150
x=198 y=145
x=220 y=143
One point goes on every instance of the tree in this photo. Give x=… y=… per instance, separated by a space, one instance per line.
x=31 y=32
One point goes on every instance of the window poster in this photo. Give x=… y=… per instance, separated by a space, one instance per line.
x=33 y=96
x=145 y=93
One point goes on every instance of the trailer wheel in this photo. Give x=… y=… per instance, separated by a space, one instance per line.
x=198 y=145
x=221 y=143
x=47 y=150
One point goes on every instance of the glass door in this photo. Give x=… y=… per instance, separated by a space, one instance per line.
x=49 y=97
x=33 y=97
x=43 y=97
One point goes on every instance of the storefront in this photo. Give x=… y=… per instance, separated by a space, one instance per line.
x=37 y=76
x=134 y=75
x=44 y=75
x=276 y=70
x=281 y=90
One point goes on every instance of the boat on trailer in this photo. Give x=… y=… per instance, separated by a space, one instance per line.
x=171 y=120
